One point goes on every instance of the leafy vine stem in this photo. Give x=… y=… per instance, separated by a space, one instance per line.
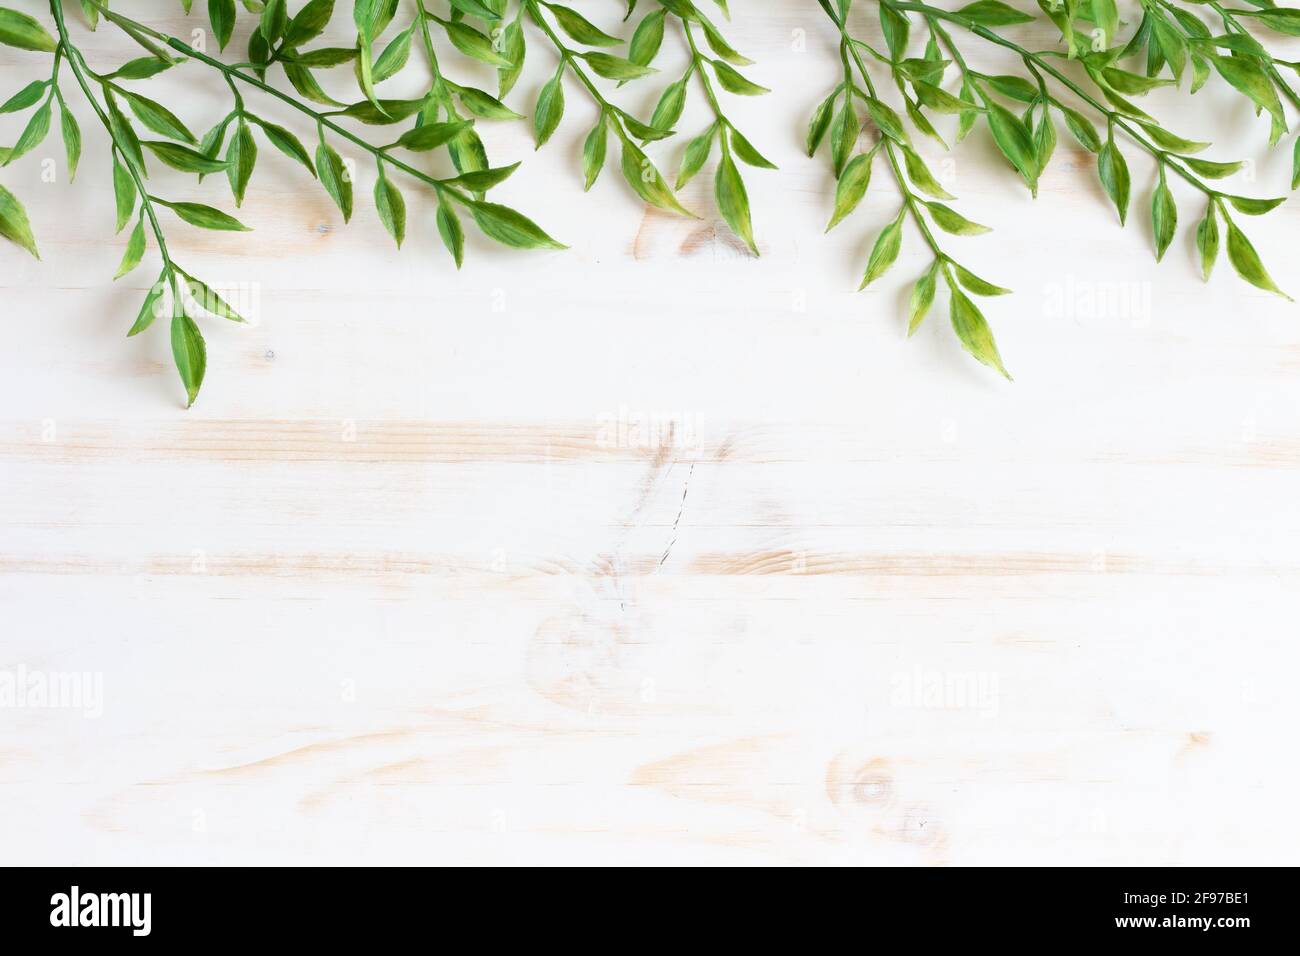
x=1085 y=80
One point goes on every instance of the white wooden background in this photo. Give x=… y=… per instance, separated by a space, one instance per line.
x=399 y=589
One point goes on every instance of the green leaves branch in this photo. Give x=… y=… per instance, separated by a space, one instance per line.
x=640 y=172
x=853 y=174
x=188 y=349
x=1020 y=112
x=180 y=149
x=729 y=186
x=1170 y=151
x=1090 y=83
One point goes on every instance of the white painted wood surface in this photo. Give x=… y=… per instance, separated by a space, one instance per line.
x=404 y=586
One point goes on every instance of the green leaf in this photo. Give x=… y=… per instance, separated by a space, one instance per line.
x=922 y=298
x=394 y=57
x=580 y=28
x=1113 y=171
x=24 y=32
x=733 y=82
x=241 y=157
x=365 y=71
x=1285 y=21
x=451 y=231
x=134 y=250
x=1082 y=129
x=949 y=220
x=733 y=200
x=887 y=121
x=149 y=310
x=844 y=135
x=391 y=207
x=71 y=139
x=467 y=152
x=383 y=114
x=13 y=222
x=852 y=186
x=209 y=301
x=367 y=16
x=615 y=67
x=1200 y=72
x=481 y=180
x=431 y=135
x=513 y=46
x=1246 y=75
x=33 y=133
x=646 y=180
x=304 y=81
x=1106 y=16
x=973 y=331
x=975 y=284
x=593 y=152
x=509 y=227
x=746 y=152
x=324 y=58
x=309 y=23
x=92 y=12
x=885 y=250
x=993 y=13
x=29 y=95
x=1173 y=45
x=221 y=13
x=334 y=177
x=124 y=193
x=214 y=138
x=1132 y=84
x=1014 y=87
x=550 y=108
x=474 y=44
x=1295 y=164
x=124 y=134
x=939 y=99
x=719 y=45
x=924 y=125
x=158 y=118
x=183 y=158
x=484 y=104
x=647 y=39
x=966 y=119
x=1015 y=141
x=274 y=19
x=142 y=68
x=921 y=176
x=669 y=108
x=1254 y=207
x=1164 y=216
x=1246 y=261
x=696 y=155
x=1207 y=241
x=205 y=217
x=924 y=69
x=894 y=26
x=1044 y=140
x=1168 y=141
x=287 y=143
x=1210 y=169
x=190 y=354
x=820 y=122
x=477 y=8
x=641 y=131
